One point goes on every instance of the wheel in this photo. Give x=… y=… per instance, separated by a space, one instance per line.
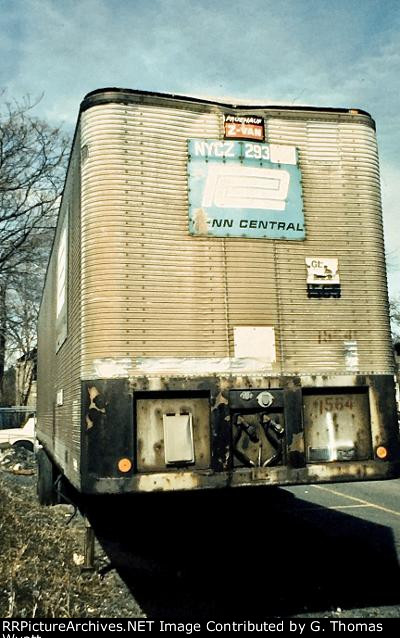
x=45 y=479
x=28 y=445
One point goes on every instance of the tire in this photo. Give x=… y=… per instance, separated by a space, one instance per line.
x=45 y=479
x=28 y=445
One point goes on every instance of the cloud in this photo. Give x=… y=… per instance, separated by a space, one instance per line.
x=390 y=180
x=260 y=49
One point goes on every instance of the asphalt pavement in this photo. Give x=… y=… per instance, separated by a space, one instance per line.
x=327 y=550
x=365 y=517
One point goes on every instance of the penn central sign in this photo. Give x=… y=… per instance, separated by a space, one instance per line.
x=244 y=189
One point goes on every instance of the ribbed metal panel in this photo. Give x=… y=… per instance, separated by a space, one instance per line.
x=341 y=192
x=59 y=425
x=148 y=288
x=151 y=290
x=46 y=358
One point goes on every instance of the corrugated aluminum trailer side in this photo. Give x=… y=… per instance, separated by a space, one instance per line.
x=215 y=311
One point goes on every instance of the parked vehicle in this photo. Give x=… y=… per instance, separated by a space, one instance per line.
x=215 y=311
x=19 y=437
x=14 y=416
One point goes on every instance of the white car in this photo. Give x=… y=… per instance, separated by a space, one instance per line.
x=19 y=437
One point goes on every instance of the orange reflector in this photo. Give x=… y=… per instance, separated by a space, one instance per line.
x=124 y=465
x=381 y=452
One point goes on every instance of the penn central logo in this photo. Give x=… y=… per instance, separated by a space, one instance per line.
x=246 y=187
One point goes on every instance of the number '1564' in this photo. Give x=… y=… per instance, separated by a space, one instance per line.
x=331 y=404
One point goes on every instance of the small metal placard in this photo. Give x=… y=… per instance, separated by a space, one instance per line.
x=244 y=127
x=265 y=399
x=246 y=395
x=178 y=438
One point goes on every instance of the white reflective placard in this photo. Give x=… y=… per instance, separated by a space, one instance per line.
x=322 y=270
x=255 y=341
x=178 y=438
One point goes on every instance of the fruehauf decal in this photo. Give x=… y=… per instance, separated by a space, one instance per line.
x=247 y=127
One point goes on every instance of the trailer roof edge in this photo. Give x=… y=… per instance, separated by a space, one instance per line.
x=115 y=94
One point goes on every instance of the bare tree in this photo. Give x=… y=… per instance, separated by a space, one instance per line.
x=32 y=171
x=33 y=157
x=3 y=330
x=23 y=301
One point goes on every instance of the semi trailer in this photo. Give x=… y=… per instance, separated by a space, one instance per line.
x=215 y=310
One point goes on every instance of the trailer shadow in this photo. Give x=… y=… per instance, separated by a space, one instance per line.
x=245 y=553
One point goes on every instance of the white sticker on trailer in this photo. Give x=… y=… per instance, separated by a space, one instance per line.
x=60 y=397
x=351 y=355
x=255 y=341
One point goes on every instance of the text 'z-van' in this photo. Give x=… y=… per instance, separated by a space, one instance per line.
x=215 y=310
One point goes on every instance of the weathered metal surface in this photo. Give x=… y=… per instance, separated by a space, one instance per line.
x=258 y=430
x=244 y=189
x=150 y=430
x=59 y=426
x=258 y=439
x=146 y=302
x=340 y=178
x=256 y=398
x=107 y=428
x=189 y=480
x=229 y=397
x=148 y=290
x=337 y=426
x=293 y=402
x=384 y=416
x=168 y=482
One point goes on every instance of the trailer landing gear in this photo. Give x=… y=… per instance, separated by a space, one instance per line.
x=88 y=548
x=45 y=479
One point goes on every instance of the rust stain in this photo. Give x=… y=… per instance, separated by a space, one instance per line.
x=224 y=384
x=93 y=394
x=297 y=444
x=158 y=447
x=173 y=481
x=200 y=221
x=220 y=400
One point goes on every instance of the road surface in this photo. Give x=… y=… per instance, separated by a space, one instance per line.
x=327 y=550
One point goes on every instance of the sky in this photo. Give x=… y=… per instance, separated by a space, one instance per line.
x=336 y=53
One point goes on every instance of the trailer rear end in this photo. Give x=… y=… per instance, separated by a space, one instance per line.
x=215 y=311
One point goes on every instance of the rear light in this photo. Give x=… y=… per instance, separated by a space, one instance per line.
x=381 y=452
x=124 y=465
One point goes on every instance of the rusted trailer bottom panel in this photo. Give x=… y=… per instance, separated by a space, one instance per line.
x=188 y=433
x=170 y=481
